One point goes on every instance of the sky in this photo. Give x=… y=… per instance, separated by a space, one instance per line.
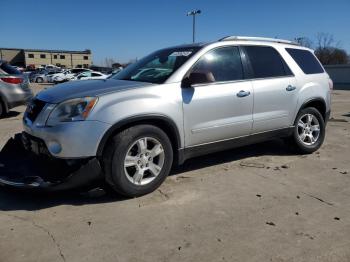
x=125 y=30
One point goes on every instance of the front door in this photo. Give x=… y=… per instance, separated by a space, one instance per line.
x=219 y=106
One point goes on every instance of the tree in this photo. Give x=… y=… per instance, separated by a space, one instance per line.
x=108 y=62
x=328 y=51
x=304 y=41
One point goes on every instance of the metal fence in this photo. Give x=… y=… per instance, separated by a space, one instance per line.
x=340 y=74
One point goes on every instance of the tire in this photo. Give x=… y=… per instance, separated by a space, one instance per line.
x=2 y=109
x=39 y=80
x=150 y=157
x=308 y=146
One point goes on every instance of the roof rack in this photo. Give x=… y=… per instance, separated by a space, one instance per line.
x=260 y=39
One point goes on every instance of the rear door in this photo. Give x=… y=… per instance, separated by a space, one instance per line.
x=220 y=105
x=275 y=89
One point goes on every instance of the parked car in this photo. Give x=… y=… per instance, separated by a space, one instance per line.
x=68 y=75
x=21 y=69
x=41 y=77
x=188 y=101
x=14 y=88
x=89 y=76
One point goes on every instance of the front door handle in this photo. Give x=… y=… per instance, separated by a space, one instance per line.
x=243 y=93
x=290 y=88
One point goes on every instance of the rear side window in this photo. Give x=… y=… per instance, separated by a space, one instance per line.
x=219 y=65
x=9 y=69
x=306 y=61
x=266 y=62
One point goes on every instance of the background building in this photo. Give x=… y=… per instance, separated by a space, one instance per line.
x=38 y=57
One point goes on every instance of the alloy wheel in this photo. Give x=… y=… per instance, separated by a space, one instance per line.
x=144 y=161
x=308 y=129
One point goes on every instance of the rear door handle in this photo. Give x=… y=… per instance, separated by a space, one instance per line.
x=290 y=88
x=243 y=93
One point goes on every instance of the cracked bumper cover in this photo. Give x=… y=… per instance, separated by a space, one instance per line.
x=85 y=173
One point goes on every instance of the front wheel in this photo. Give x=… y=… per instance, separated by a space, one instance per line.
x=309 y=130
x=138 y=160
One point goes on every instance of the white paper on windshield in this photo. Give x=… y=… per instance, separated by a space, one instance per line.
x=182 y=53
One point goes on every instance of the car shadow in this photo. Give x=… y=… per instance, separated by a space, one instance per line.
x=274 y=147
x=16 y=161
x=11 y=114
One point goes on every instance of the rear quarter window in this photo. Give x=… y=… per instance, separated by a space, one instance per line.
x=306 y=61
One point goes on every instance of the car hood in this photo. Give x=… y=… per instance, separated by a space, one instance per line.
x=86 y=88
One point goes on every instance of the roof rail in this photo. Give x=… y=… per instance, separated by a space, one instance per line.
x=261 y=39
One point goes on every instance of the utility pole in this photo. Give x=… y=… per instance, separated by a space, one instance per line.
x=193 y=14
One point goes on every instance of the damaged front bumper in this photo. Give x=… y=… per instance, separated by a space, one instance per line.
x=21 y=168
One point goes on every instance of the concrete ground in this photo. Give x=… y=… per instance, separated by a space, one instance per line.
x=257 y=203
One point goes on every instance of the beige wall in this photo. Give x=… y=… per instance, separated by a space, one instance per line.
x=14 y=57
x=68 y=60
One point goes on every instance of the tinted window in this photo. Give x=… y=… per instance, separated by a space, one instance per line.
x=266 y=62
x=86 y=57
x=306 y=61
x=62 y=57
x=9 y=69
x=30 y=55
x=76 y=71
x=42 y=56
x=221 y=64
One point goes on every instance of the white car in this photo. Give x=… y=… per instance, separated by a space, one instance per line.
x=67 y=75
x=90 y=75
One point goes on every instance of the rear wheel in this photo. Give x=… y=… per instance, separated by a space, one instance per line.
x=309 y=130
x=138 y=160
x=39 y=80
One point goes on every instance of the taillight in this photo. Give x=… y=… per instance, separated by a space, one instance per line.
x=12 y=80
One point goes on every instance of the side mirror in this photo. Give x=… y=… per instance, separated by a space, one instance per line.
x=197 y=78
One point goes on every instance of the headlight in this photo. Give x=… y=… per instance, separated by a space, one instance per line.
x=77 y=109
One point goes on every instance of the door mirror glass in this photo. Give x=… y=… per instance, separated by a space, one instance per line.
x=197 y=78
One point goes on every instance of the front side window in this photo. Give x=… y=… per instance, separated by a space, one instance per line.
x=305 y=60
x=158 y=66
x=218 y=65
x=266 y=62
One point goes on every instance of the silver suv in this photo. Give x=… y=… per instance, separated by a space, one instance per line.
x=182 y=102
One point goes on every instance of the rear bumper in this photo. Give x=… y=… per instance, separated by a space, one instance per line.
x=19 y=98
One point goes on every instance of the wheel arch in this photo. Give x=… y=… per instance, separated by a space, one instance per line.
x=318 y=103
x=160 y=121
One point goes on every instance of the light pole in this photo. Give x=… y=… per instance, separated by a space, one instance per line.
x=193 y=14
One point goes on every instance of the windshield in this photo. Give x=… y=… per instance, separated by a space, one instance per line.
x=158 y=66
